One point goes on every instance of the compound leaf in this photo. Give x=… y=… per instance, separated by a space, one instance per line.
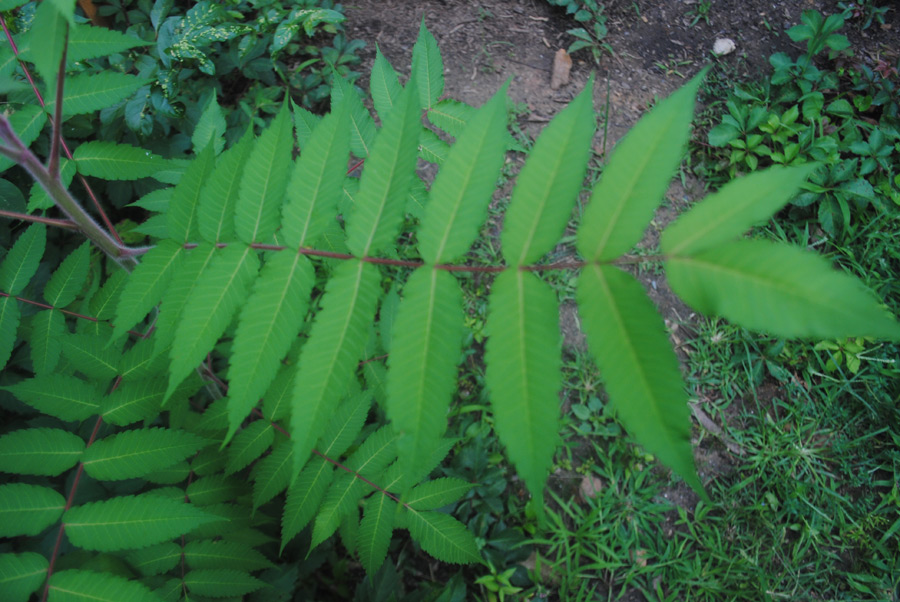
x=135 y=453
x=39 y=451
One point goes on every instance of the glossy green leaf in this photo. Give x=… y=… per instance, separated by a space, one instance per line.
x=264 y=181
x=463 y=188
x=21 y=575
x=131 y=522
x=269 y=323
x=28 y=509
x=375 y=532
x=218 y=199
x=386 y=179
x=69 y=278
x=779 y=289
x=22 y=260
x=221 y=583
x=734 y=209
x=549 y=182
x=77 y=585
x=425 y=350
x=135 y=453
x=427 y=67
x=182 y=215
x=39 y=451
x=443 y=537
x=637 y=176
x=116 y=161
x=640 y=370
x=66 y=397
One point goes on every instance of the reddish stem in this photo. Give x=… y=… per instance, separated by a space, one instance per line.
x=50 y=221
x=65 y=311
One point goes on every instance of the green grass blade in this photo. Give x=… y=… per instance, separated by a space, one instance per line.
x=636 y=178
x=463 y=188
x=136 y=453
x=113 y=161
x=39 y=451
x=264 y=181
x=549 y=183
x=427 y=67
x=21 y=575
x=28 y=509
x=425 y=349
x=443 y=537
x=375 y=532
x=215 y=213
x=639 y=367
x=23 y=259
x=221 y=290
x=270 y=321
x=69 y=278
x=734 y=209
x=779 y=289
x=386 y=179
x=75 y=585
x=330 y=356
x=181 y=216
x=384 y=85
x=523 y=359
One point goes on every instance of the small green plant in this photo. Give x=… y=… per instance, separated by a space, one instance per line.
x=867 y=12
x=592 y=34
x=700 y=12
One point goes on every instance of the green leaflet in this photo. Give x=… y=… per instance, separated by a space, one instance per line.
x=442 y=536
x=181 y=217
x=21 y=575
x=264 y=181
x=28 y=509
x=146 y=285
x=427 y=67
x=82 y=586
x=155 y=560
x=220 y=583
x=451 y=116
x=27 y=122
x=628 y=339
x=215 y=213
x=176 y=295
x=112 y=161
x=277 y=400
x=316 y=181
x=133 y=401
x=334 y=347
x=432 y=148
x=340 y=500
x=23 y=259
x=269 y=324
x=102 y=305
x=210 y=128
x=39 y=199
x=69 y=277
x=141 y=361
x=304 y=124
x=90 y=355
x=135 y=453
x=375 y=532
x=464 y=186
x=131 y=522
x=425 y=349
x=47 y=330
x=66 y=397
x=221 y=289
x=47 y=40
x=206 y=554
x=523 y=358
x=384 y=85
x=9 y=326
x=88 y=42
x=549 y=182
x=272 y=474
x=39 y=451
x=436 y=494
x=249 y=444
x=779 y=289
x=362 y=126
x=386 y=179
x=637 y=176
x=214 y=489
x=734 y=209
x=92 y=92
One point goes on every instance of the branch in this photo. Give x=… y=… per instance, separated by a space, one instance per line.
x=25 y=217
x=53 y=164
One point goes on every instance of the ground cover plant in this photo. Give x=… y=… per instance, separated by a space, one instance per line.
x=134 y=432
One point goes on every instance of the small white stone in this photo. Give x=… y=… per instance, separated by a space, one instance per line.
x=723 y=46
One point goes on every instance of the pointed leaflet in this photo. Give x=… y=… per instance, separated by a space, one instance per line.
x=272 y=474
x=779 y=289
x=47 y=40
x=181 y=216
x=133 y=401
x=638 y=365
x=523 y=359
x=65 y=397
x=28 y=509
x=636 y=178
x=362 y=126
x=79 y=585
x=463 y=188
x=384 y=85
x=250 y=443
x=27 y=122
x=69 y=277
x=436 y=494
x=375 y=532
x=221 y=583
x=146 y=285
x=425 y=350
x=427 y=67
x=47 y=330
x=304 y=124
x=133 y=454
x=386 y=179
x=334 y=347
x=39 y=451
x=269 y=323
x=215 y=214
x=549 y=183
x=734 y=209
x=222 y=288
x=112 y=161
x=21 y=575
x=88 y=42
x=131 y=522
x=89 y=354
x=210 y=127
x=451 y=116
x=442 y=536
x=181 y=288
x=264 y=181
x=214 y=489
x=316 y=182
x=89 y=92
x=9 y=326
x=206 y=554
x=21 y=262
x=155 y=560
